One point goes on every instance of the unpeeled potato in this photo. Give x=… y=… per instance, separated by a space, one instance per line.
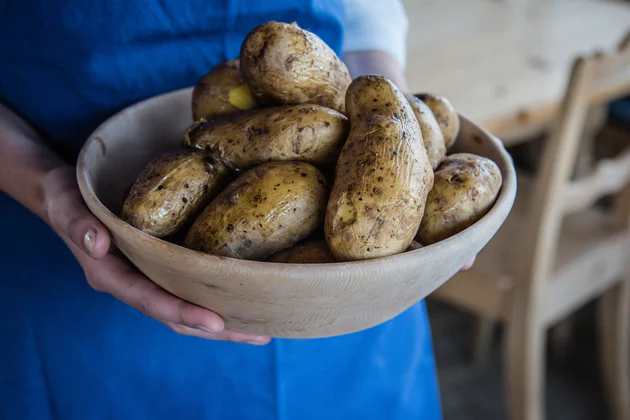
x=171 y=190
x=265 y=210
x=432 y=136
x=446 y=116
x=285 y=64
x=465 y=188
x=310 y=133
x=305 y=252
x=222 y=91
x=383 y=175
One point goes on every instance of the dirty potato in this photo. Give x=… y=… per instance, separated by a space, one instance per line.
x=265 y=210
x=383 y=175
x=309 y=132
x=466 y=186
x=305 y=252
x=432 y=136
x=284 y=64
x=171 y=190
x=222 y=91
x=446 y=116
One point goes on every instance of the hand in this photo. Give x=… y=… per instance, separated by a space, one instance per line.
x=469 y=264
x=106 y=272
x=375 y=62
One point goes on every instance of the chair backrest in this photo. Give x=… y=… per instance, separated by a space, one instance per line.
x=596 y=79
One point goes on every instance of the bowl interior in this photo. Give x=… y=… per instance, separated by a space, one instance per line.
x=126 y=146
x=282 y=300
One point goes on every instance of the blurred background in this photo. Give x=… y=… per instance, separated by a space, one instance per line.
x=543 y=318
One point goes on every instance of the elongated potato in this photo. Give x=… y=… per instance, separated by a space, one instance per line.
x=432 y=136
x=284 y=64
x=383 y=175
x=310 y=133
x=466 y=186
x=171 y=190
x=222 y=91
x=446 y=116
x=305 y=252
x=265 y=210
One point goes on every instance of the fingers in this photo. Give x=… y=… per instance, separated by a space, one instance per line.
x=69 y=215
x=185 y=318
x=115 y=276
x=225 y=335
x=469 y=264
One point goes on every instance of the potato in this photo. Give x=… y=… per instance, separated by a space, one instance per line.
x=222 y=91
x=171 y=190
x=445 y=115
x=284 y=64
x=383 y=175
x=305 y=252
x=310 y=133
x=465 y=189
x=265 y=210
x=432 y=136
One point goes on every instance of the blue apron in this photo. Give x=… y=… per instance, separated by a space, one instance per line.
x=68 y=352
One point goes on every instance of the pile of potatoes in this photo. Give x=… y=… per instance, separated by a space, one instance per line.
x=290 y=160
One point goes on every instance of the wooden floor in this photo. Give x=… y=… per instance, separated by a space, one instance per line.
x=476 y=392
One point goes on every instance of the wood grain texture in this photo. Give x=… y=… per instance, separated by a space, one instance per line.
x=506 y=64
x=281 y=300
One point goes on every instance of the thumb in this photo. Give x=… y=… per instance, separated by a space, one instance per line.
x=70 y=217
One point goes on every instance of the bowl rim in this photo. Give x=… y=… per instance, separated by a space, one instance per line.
x=503 y=203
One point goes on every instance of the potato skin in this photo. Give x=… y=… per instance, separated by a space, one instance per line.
x=305 y=252
x=466 y=186
x=308 y=132
x=222 y=91
x=432 y=136
x=284 y=64
x=445 y=114
x=171 y=190
x=383 y=175
x=265 y=210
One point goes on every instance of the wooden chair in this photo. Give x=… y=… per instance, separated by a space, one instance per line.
x=557 y=251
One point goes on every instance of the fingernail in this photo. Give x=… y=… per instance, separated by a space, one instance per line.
x=89 y=240
x=259 y=339
x=205 y=329
x=256 y=343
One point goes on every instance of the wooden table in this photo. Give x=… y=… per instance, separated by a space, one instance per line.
x=505 y=63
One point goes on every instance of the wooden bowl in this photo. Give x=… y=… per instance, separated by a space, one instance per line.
x=280 y=300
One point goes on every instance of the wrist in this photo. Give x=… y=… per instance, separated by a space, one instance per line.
x=25 y=162
x=375 y=62
x=54 y=183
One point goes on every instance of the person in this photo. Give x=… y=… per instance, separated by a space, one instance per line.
x=71 y=353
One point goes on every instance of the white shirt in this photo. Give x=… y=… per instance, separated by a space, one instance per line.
x=376 y=25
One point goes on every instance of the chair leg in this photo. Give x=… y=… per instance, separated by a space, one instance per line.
x=614 y=331
x=560 y=336
x=525 y=367
x=482 y=340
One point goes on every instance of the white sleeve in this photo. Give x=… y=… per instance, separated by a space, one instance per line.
x=376 y=25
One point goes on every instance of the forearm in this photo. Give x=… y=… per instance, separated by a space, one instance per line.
x=375 y=40
x=25 y=162
x=375 y=62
